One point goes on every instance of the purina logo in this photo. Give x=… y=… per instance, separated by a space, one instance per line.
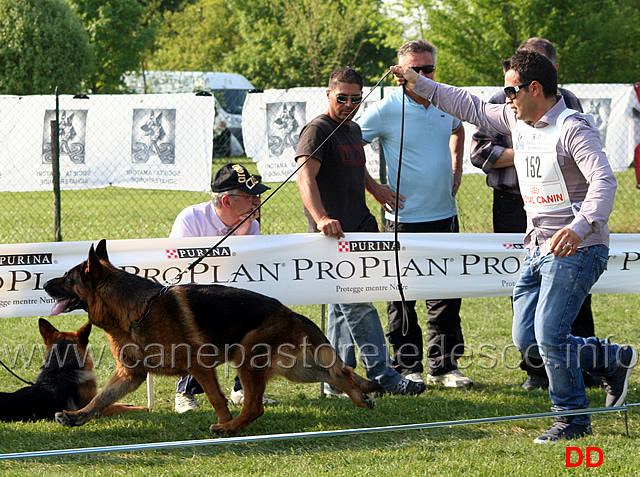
x=26 y=259
x=175 y=253
x=513 y=246
x=368 y=246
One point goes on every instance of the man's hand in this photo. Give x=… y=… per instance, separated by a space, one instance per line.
x=405 y=75
x=246 y=225
x=330 y=227
x=385 y=196
x=564 y=243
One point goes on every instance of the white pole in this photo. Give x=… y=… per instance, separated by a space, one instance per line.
x=149 y=390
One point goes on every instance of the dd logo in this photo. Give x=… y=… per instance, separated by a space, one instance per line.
x=580 y=456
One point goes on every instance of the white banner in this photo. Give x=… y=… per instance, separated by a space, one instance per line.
x=304 y=269
x=272 y=122
x=141 y=141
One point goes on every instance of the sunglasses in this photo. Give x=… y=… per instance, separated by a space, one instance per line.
x=428 y=69
x=343 y=98
x=512 y=91
x=244 y=196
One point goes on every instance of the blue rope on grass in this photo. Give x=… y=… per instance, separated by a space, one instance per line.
x=303 y=435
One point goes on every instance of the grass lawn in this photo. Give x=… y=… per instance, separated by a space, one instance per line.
x=487 y=449
x=504 y=448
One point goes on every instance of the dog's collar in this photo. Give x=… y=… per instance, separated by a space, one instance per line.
x=164 y=290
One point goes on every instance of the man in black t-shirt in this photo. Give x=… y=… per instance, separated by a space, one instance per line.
x=332 y=182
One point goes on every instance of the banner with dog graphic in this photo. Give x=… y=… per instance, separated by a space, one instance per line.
x=139 y=141
x=271 y=125
x=272 y=121
x=303 y=269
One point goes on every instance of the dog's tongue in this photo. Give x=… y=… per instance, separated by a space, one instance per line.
x=59 y=306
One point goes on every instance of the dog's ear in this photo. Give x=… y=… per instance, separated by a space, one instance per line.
x=92 y=265
x=83 y=333
x=101 y=250
x=47 y=330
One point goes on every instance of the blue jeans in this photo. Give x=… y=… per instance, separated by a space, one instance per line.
x=360 y=323
x=546 y=300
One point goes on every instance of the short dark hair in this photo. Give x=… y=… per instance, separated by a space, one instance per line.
x=541 y=45
x=346 y=74
x=418 y=46
x=531 y=65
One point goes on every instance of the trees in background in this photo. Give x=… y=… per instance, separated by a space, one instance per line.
x=290 y=43
x=286 y=43
x=280 y=43
x=596 y=39
x=41 y=40
x=200 y=37
x=118 y=39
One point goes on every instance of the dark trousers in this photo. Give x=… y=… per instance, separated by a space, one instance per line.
x=445 y=341
x=509 y=216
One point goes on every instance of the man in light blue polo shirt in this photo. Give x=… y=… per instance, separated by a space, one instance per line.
x=433 y=147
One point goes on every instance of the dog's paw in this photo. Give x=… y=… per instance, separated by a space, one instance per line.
x=220 y=430
x=369 y=401
x=68 y=419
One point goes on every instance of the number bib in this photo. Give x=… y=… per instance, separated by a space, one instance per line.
x=542 y=184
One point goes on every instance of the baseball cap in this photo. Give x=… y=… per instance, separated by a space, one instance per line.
x=236 y=177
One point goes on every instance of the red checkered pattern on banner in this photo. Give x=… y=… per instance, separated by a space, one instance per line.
x=172 y=253
x=343 y=246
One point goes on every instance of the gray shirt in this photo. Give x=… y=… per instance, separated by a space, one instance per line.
x=586 y=170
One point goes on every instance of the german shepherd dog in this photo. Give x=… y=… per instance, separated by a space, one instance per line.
x=191 y=329
x=65 y=382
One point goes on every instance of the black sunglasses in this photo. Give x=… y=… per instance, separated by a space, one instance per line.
x=343 y=98
x=428 y=69
x=512 y=91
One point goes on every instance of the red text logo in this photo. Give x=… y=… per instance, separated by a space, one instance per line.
x=574 y=457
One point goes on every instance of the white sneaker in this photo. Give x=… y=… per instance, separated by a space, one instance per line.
x=417 y=377
x=452 y=379
x=237 y=398
x=332 y=391
x=185 y=402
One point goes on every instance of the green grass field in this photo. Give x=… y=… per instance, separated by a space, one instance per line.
x=486 y=449
x=504 y=448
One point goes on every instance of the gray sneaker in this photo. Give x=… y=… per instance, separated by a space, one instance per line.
x=452 y=379
x=417 y=377
x=563 y=428
x=406 y=387
x=617 y=384
x=185 y=402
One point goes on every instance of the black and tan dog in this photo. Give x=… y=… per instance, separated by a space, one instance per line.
x=191 y=329
x=66 y=380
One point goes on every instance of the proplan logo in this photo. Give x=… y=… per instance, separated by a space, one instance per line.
x=176 y=253
x=26 y=259
x=368 y=246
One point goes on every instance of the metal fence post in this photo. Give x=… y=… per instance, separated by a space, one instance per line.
x=55 y=164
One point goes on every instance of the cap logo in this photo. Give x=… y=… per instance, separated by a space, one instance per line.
x=240 y=171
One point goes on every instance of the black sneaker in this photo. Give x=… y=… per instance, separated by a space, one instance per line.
x=406 y=387
x=617 y=384
x=534 y=382
x=563 y=428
